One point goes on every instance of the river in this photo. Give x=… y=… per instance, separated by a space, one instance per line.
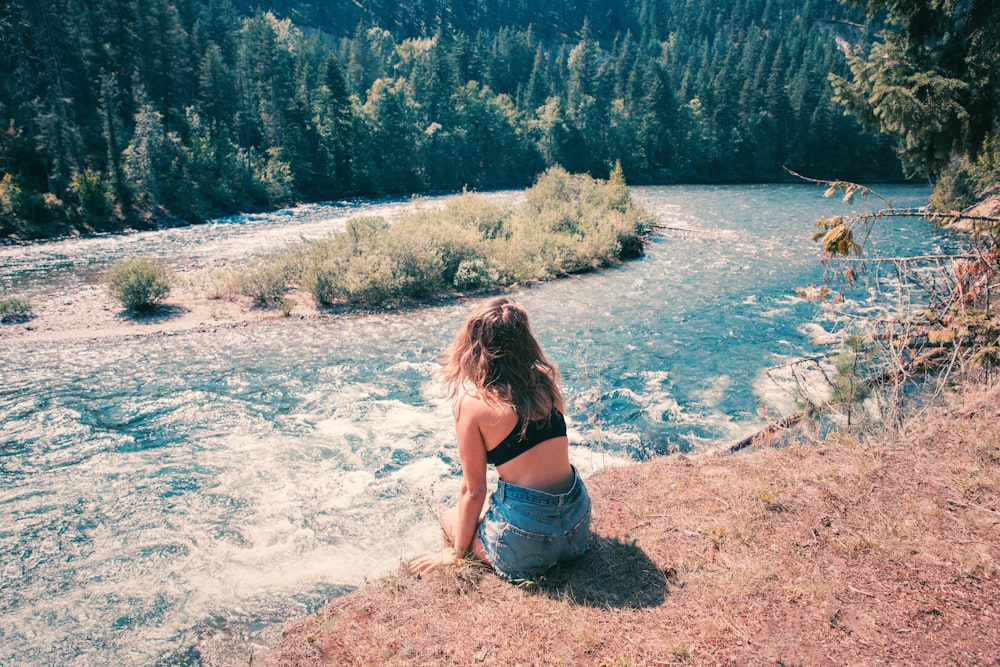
x=161 y=490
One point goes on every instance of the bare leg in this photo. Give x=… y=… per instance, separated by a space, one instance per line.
x=448 y=554
x=448 y=521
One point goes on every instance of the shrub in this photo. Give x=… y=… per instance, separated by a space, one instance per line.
x=93 y=206
x=265 y=281
x=15 y=205
x=323 y=284
x=567 y=223
x=964 y=182
x=475 y=273
x=327 y=262
x=14 y=309
x=475 y=211
x=140 y=285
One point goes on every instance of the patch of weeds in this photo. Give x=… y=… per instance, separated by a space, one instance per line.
x=14 y=309
x=770 y=497
x=988 y=454
x=265 y=281
x=325 y=623
x=680 y=651
x=967 y=485
x=714 y=533
x=467 y=574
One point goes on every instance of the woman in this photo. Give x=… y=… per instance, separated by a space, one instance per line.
x=509 y=413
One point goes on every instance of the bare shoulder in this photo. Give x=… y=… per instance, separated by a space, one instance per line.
x=474 y=408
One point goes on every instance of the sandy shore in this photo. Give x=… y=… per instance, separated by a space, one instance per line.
x=90 y=312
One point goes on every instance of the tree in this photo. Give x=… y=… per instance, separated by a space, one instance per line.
x=933 y=81
x=585 y=102
x=143 y=158
x=129 y=109
x=389 y=114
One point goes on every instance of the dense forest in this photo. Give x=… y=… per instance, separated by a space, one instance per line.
x=121 y=113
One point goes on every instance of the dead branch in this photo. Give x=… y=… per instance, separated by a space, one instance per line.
x=770 y=429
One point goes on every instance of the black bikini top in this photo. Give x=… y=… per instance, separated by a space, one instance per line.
x=538 y=431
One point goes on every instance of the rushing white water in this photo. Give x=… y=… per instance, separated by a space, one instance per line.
x=163 y=489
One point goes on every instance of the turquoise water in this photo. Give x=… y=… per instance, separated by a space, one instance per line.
x=163 y=491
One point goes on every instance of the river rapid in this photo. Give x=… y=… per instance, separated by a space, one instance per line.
x=157 y=492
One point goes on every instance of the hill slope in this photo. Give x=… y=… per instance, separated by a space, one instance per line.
x=847 y=553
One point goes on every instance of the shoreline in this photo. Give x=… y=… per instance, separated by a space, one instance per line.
x=879 y=551
x=90 y=313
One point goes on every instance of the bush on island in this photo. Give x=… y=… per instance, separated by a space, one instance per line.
x=567 y=223
x=140 y=285
x=14 y=309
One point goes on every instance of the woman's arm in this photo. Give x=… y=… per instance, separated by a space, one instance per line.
x=472 y=453
x=460 y=526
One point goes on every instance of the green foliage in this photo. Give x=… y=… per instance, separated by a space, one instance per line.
x=191 y=109
x=140 y=285
x=568 y=223
x=92 y=202
x=964 y=182
x=933 y=82
x=851 y=384
x=266 y=280
x=14 y=309
x=14 y=204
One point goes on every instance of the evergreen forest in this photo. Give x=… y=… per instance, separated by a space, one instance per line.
x=138 y=113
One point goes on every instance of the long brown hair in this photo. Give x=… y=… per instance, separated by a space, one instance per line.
x=496 y=353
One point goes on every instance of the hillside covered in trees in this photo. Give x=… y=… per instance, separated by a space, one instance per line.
x=124 y=113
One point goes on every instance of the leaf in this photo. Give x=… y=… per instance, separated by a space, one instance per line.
x=939 y=336
x=987 y=357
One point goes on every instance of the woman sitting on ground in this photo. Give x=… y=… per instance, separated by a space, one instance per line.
x=509 y=412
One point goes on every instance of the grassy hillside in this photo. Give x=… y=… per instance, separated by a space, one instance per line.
x=840 y=552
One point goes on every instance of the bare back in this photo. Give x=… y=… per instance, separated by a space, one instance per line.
x=544 y=467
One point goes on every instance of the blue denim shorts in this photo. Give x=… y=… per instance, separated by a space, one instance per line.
x=525 y=532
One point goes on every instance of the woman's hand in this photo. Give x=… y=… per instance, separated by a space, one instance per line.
x=427 y=562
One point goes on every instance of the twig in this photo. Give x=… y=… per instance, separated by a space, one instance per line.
x=915 y=258
x=839 y=184
x=989 y=511
x=859 y=592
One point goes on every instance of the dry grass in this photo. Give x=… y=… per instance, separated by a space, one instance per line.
x=847 y=553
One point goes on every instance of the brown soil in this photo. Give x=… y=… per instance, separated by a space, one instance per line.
x=883 y=552
x=90 y=312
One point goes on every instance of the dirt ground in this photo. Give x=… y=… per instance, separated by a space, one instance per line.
x=90 y=312
x=881 y=552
